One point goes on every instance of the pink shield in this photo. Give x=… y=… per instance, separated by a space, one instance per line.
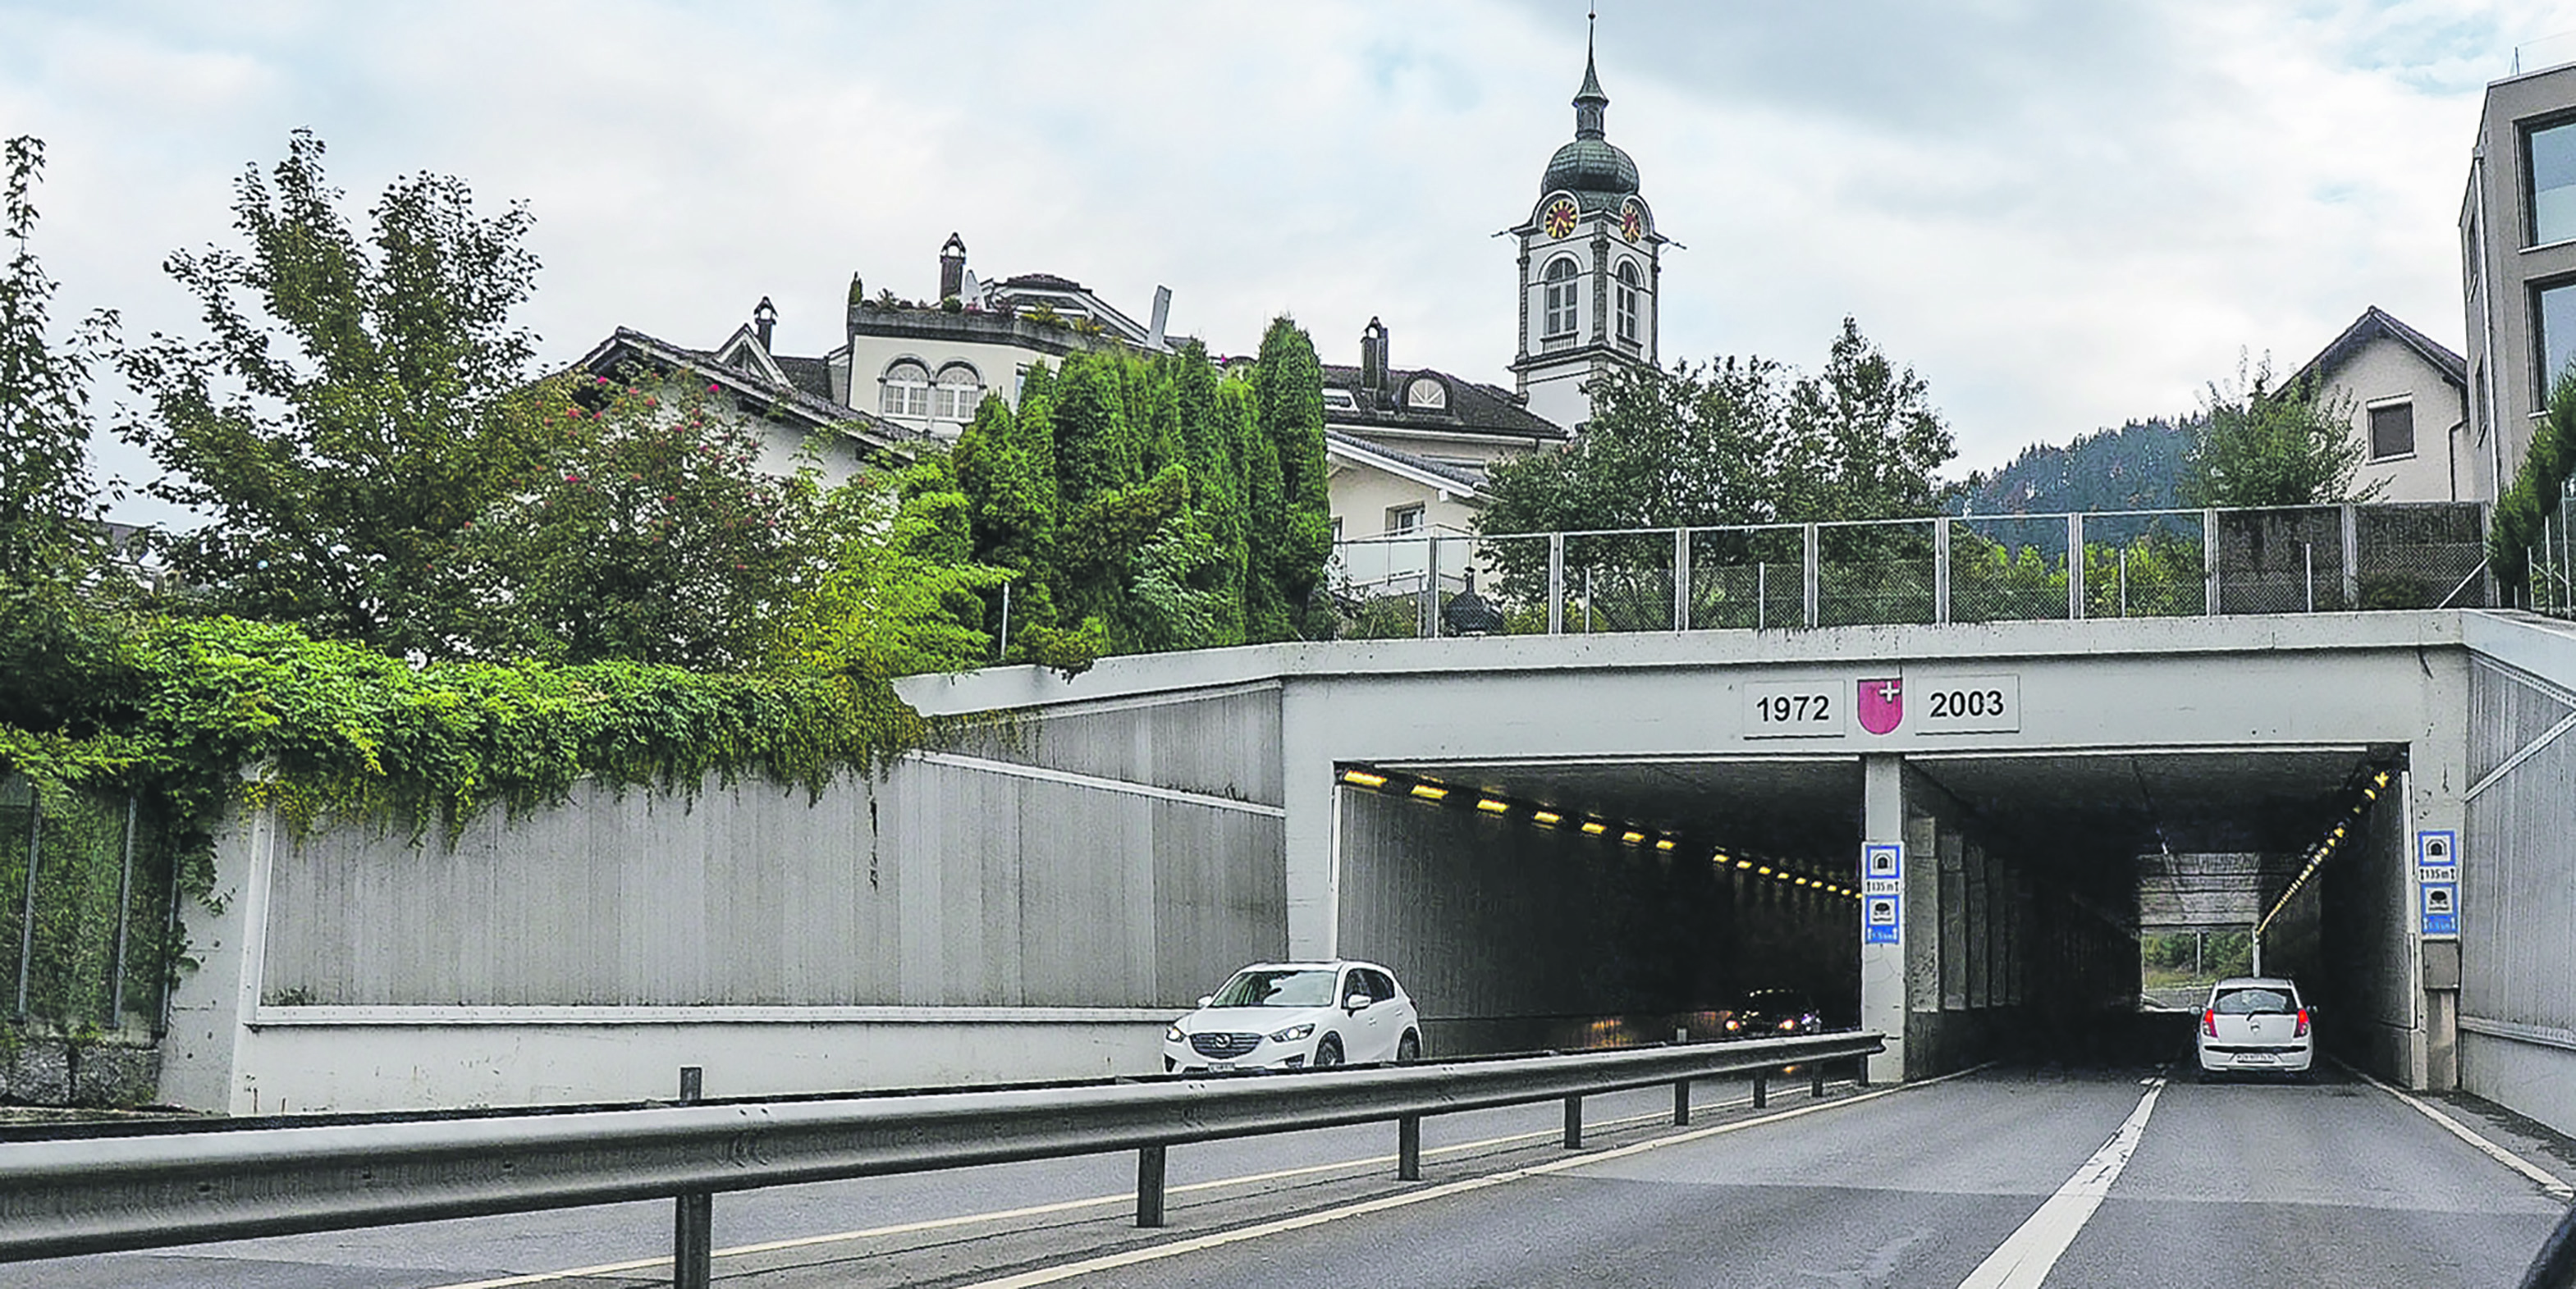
x=1882 y=704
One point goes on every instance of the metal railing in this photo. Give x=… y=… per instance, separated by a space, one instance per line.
x=1959 y=568
x=110 y=1193
x=2552 y=562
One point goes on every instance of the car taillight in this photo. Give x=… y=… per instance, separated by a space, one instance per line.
x=2303 y=1024
x=2209 y=1021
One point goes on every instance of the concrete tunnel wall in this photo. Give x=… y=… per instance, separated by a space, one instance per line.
x=1515 y=937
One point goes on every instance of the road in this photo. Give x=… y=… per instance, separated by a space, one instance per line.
x=2003 y=1177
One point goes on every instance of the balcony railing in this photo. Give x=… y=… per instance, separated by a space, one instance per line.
x=1965 y=568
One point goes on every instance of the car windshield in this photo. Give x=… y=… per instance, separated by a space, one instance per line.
x=2250 y=1002
x=1277 y=987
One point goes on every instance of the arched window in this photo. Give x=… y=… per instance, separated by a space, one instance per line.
x=1557 y=319
x=1628 y=296
x=906 y=389
x=957 y=393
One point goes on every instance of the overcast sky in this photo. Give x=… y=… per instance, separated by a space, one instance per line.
x=2063 y=216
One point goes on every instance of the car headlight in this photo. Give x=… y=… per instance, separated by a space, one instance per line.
x=1292 y=1033
x=1174 y=1035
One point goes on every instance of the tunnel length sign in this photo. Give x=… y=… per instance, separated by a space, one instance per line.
x=2437 y=883
x=1882 y=881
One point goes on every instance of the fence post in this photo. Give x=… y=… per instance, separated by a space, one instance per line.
x=1812 y=576
x=1149 y=1186
x=2209 y=562
x=1941 y=569
x=2075 y=568
x=1556 y=584
x=2351 y=557
x=1681 y=579
x=124 y=898
x=693 y=1213
x=27 y=911
x=2308 y=567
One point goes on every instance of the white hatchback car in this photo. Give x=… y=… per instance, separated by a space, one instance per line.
x=2254 y=1023
x=1296 y=1015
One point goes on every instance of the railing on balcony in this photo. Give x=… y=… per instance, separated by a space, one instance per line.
x=2552 y=563
x=1961 y=568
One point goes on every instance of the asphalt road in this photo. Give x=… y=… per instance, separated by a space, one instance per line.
x=2006 y=1177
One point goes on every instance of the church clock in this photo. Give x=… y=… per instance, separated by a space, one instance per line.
x=1632 y=221
x=1560 y=217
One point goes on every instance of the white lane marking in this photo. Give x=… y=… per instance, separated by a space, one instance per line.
x=2550 y=1182
x=1155 y=1253
x=2025 y=1256
x=1060 y=1206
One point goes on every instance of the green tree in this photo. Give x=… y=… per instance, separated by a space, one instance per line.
x=2262 y=444
x=896 y=594
x=48 y=505
x=1292 y=536
x=356 y=401
x=1864 y=438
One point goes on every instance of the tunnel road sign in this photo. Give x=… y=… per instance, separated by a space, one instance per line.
x=1882 y=880
x=2437 y=883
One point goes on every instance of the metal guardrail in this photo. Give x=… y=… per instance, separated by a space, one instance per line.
x=107 y=1194
x=1957 y=568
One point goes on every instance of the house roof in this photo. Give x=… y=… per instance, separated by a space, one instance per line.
x=875 y=436
x=1471 y=407
x=2376 y=323
x=1420 y=469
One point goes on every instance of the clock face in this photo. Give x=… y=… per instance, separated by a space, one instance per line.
x=1560 y=217
x=1632 y=221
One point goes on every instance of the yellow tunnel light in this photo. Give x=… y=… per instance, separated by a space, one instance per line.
x=1429 y=791
x=1765 y=870
x=1493 y=807
x=1664 y=843
x=1633 y=837
x=1546 y=818
x=1595 y=827
x=1805 y=882
x=1746 y=863
x=1364 y=778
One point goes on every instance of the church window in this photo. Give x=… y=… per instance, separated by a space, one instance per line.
x=1628 y=297
x=905 y=389
x=957 y=393
x=1558 y=319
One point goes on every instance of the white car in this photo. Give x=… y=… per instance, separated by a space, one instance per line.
x=2254 y=1023
x=1297 y=1015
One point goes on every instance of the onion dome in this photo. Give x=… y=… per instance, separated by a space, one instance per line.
x=1591 y=163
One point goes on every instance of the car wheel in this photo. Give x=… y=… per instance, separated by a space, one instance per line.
x=1328 y=1052
x=1408 y=1049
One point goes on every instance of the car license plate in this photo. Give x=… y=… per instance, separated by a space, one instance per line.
x=1222 y=1065
x=2254 y=1058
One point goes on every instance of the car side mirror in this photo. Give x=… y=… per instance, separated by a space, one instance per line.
x=1355 y=1002
x=1205 y=999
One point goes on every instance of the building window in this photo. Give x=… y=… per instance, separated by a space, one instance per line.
x=905 y=390
x=1558 y=318
x=1628 y=297
x=1404 y=519
x=2549 y=163
x=2392 y=430
x=2555 y=309
x=1426 y=392
x=957 y=393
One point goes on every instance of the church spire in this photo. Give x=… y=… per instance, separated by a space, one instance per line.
x=1589 y=102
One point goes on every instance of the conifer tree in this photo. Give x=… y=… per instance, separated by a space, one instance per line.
x=1295 y=537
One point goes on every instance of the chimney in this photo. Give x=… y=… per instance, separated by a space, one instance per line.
x=1162 y=315
x=952 y=268
x=764 y=322
x=1373 y=380
x=850 y=317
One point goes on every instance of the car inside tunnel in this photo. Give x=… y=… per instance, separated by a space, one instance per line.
x=1538 y=903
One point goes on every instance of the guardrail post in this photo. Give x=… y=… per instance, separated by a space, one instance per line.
x=693 y=1213
x=1860 y=1071
x=1816 y=1080
x=1941 y=569
x=1556 y=584
x=1408 y=1148
x=1574 y=1123
x=1761 y=1088
x=1681 y=1103
x=1149 y=1186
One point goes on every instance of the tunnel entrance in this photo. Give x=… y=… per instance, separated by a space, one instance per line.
x=1552 y=903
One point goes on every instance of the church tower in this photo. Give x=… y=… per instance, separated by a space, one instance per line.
x=1590 y=266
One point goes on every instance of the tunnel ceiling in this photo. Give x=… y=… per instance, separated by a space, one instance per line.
x=2053 y=809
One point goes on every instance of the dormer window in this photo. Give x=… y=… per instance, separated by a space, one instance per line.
x=1426 y=394
x=905 y=390
x=1557 y=318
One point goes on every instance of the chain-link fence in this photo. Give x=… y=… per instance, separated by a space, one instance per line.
x=1968 y=568
x=85 y=911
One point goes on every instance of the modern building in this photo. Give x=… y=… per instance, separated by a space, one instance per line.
x=1591 y=267
x=2518 y=260
x=2407 y=396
